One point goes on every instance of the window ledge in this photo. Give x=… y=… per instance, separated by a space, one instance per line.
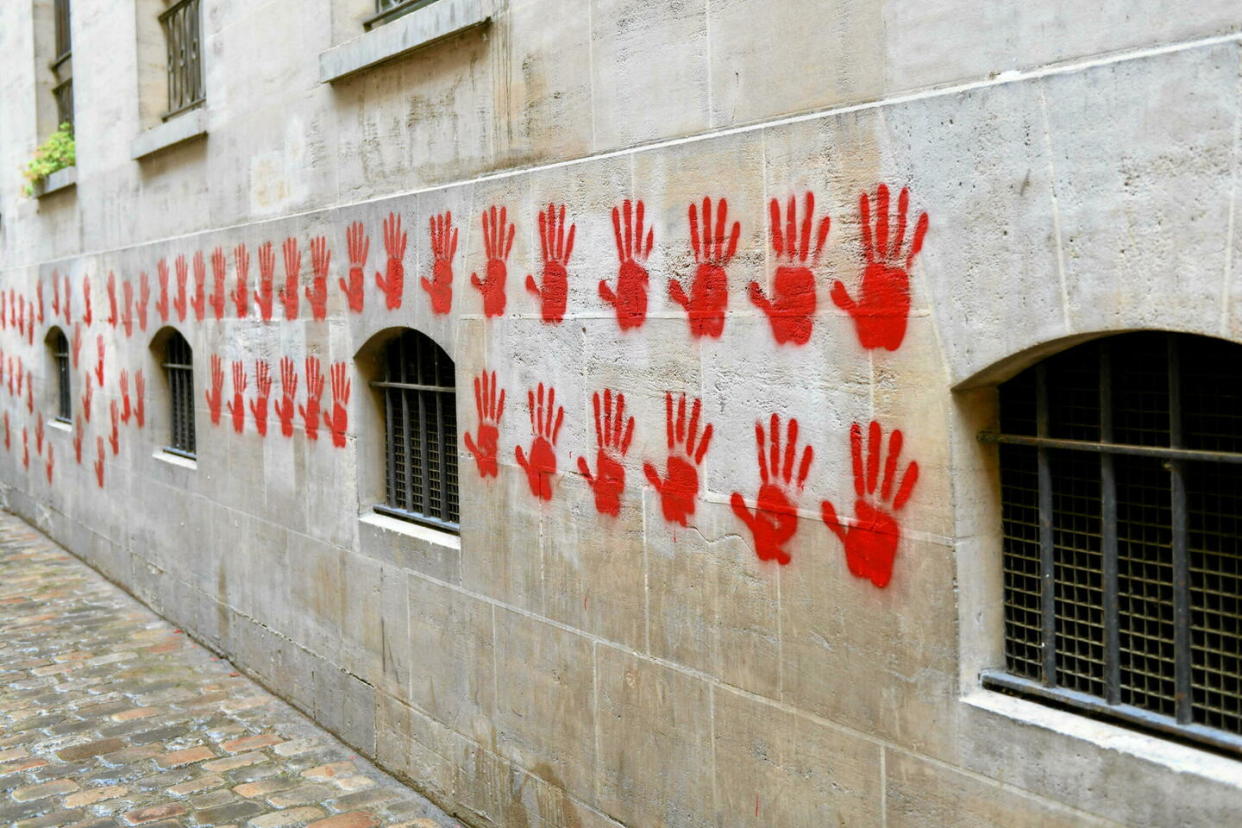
x=411 y=31
x=60 y=425
x=411 y=529
x=56 y=182
x=175 y=460
x=184 y=127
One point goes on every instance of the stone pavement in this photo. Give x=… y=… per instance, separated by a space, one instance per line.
x=110 y=716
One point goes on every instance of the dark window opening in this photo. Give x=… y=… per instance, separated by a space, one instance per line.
x=60 y=362
x=387 y=10
x=179 y=369
x=62 y=65
x=182 y=30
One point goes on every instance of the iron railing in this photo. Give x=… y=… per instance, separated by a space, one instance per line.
x=179 y=368
x=386 y=10
x=60 y=356
x=64 y=39
x=182 y=31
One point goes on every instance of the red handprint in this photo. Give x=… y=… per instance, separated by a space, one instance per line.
x=39 y=434
x=99 y=463
x=21 y=316
x=127 y=315
x=25 y=448
x=126 y=410
x=237 y=408
x=161 y=304
x=114 y=436
x=630 y=299
x=219 y=270
x=258 y=406
x=241 y=292
x=392 y=281
x=686 y=448
x=67 y=295
x=872 y=539
x=317 y=290
x=179 y=301
x=140 y=389
x=881 y=312
x=51 y=463
x=99 y=359
x=55 y=298
x=359 y=245
x=111 y=288
x=490 y=410
x=338 y=421
x=30 y=326
x=775 y=519
x=540 y=467
x=497 y=242
x=557 y=246
x=443 y=248
x=709 y=291
x=199 y=301
x=87 y=315
x=314 y=390
x=214 y=394
x=77 y=439
x=144 y=296
x=792 y=310
x=288 y=390
x=4 y=313
x=267 y=268
x=87 y=396
x=29 y=394
x=76 y=343
x=612 y=436
x=39 y=296
x=293 y=268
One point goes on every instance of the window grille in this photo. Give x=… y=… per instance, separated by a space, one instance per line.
x=62 y=65
x=1121 y=497
x=179 y=368
x=185 y=56
x=420 y=414
x=60 y=359
x=386 y=10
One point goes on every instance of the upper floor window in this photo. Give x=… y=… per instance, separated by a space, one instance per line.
x=59 y=345
x=1121 y=497
x=182 y=30
x=420 y=417
x=62 y=65
x=386 y=10
x=179 y=369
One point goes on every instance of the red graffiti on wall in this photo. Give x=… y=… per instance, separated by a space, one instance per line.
x=126 y=408
x=540 y=467
x=791 y=310
x=630 y=298
x=219 y=271
x=686 y=449
x=21 y=317
x=4 y=313
x=873 y=536
x=612 y=437
x=87 y=396
x=51 y=464
x=127 y=314
x=557 y=246
x=39 y=434
x=237 y=407
x=30 y=327
x=25 y=448
x=214 y=395
x=183 y=275
x=258 y=406
x=241 y=289
x=140 y=390
x=285 y=408
x=774 y=519
x=99 y=463
x=392 y=281
x=338 y=422
x=76 y=349
x=443 y=249
x=314 y=390
x=111 y=289
x=267 y=269
x=199 y=300
x=293 y=269
x=55 y=298
x=709 y=290
x=490 y=408
x=39 y=295
x=114 y=436
x=497 y=242
x=30 y=394
x=67 y=296
x=358 y=245
x=78 y=433
x=883 y=307
x=161 y=304
x=317 y=290
x=99 y=359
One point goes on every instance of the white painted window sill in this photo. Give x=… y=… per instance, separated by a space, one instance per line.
x=56 y=182
x=178 y=130
x=175 y=460
x=421 y=27
x=412 y=530
x=60 y=425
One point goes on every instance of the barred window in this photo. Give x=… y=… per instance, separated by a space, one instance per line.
x=1121 y=497
x=386 y=10
x=179 y=369
x=60 y=364
x=62 y=65
x=419 y=391
x=182 y=30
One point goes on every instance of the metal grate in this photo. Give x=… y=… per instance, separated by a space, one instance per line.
x=1121 y=496
x=420 y=412
x=60 y=358
x=62 y=65
x=185 y=56
x=386 y=10
x=179 y=368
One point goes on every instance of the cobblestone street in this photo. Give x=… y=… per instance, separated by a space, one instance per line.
x=110 y=716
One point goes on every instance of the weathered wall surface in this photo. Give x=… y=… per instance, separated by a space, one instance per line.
x=680 y=660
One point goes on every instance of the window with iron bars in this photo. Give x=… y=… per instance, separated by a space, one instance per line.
x=419 y=390
x=60 y=361
x=62 y=65
x=182 y=30
x=179 y=369
x=386 y=10
x=1121 y=497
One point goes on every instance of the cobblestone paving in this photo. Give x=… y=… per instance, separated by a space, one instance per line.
x=109 y=716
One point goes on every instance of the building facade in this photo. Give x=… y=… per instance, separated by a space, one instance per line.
x=696 y=413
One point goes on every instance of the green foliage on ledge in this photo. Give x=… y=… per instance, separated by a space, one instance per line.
x=56 y=153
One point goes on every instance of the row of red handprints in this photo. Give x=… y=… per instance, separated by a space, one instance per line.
x=336 y=421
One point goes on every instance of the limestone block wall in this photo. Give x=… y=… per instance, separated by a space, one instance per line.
x=641 y=647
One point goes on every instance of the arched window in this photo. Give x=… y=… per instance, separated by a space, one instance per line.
x=58 y=344
x=419 y=393
x=178 y=367
x=1121 y=493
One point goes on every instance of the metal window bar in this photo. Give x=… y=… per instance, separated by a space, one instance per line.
x=60 y=354
x=64 y=39
x=388 y=10
x=63 y=92
x=1134 y=623
x=182 y=30
x=180 y=371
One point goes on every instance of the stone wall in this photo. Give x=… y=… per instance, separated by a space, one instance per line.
x=675 y=661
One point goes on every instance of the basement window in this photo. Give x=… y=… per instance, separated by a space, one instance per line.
x=179 y=370
x=59 y=345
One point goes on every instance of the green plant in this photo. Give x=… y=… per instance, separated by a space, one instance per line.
x=56 y=153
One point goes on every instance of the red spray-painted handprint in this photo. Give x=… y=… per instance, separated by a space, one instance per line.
x=77 y=438
x=87 y=396
x=883 y=308
x=713 y=250
x=237 y=408
x=127 y=315
x=99 y=360
x=612 y=436
x=199 y=301
x=29 y=394
x=88 y=315
x=30 y=326
x=630 y=298
x=392 y=281
x=686 y=448
x=293 y=269
x=775 y=520
x=317 y=290
x=25 y=448
x=258 y=406
x=872 y=539
x=126 y=408
x=111 y=288
x=67 y=296
x=337 y=422
x=51 y=464
x=241 y=291
x=183 y=274
x=267 y=269
x=55 y=299
x=214 y=395
x=314 y=390
x=161 y=304
x=140 y=392
x=99 y=463
x=285 y=408
x=219 y=271
x=791 y=310
x=39 y=297
x=557 y=246
x=39 y=434
x=443 y=248
x=497 y=242
x=358 y=245
x=490 y=409
x=76 y=346
x=540 y=467
x=114 y=436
